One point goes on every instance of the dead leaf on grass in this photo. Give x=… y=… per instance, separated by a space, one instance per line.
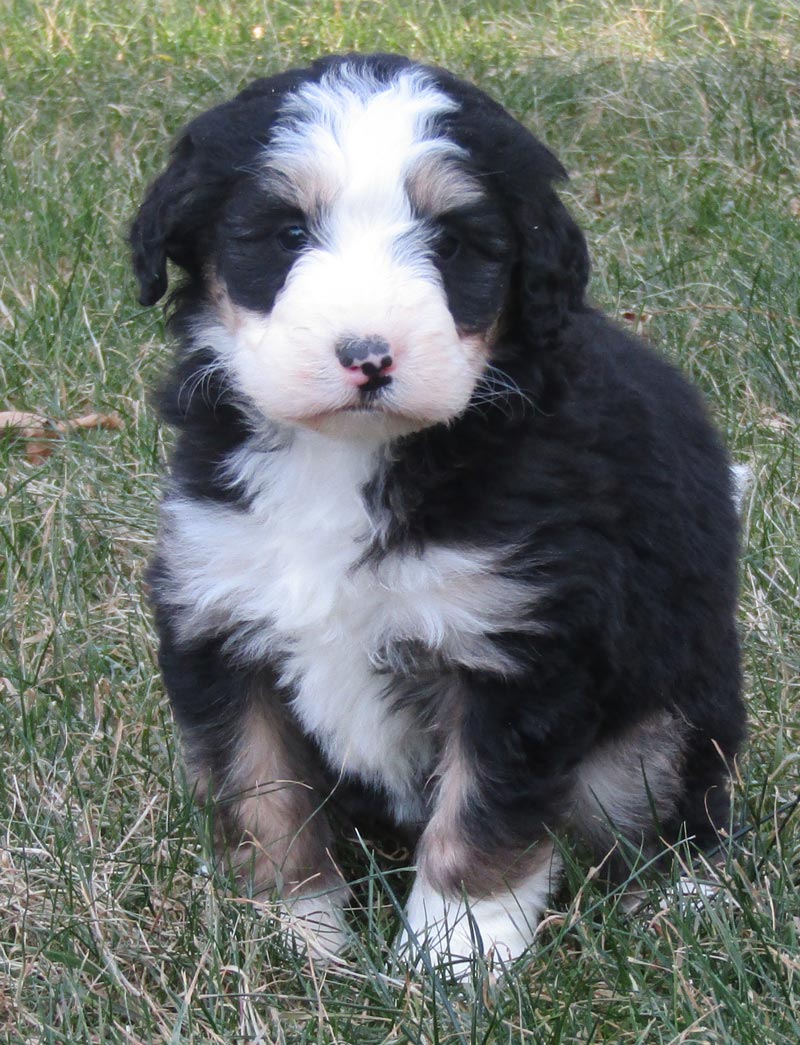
x=40 y=431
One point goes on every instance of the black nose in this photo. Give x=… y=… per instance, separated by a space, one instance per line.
x=370 y=354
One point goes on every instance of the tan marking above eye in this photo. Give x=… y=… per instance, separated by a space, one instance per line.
x=436 y=185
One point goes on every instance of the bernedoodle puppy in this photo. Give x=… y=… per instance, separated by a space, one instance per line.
x=439 y=542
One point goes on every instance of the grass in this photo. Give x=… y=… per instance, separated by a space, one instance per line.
x=680 y=122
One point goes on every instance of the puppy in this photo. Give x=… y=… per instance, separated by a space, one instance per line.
x=439 y=542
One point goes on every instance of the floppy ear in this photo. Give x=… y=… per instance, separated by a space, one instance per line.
x=177 y=219
x=166 y=224
x=553 y=267
x=553 y=262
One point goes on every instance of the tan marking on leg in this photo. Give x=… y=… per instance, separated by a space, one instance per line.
x=452 y=863
x=631 y=784
x=270 y=827
x=269 y=824
x=443 y=856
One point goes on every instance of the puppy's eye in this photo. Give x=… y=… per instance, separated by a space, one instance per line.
x=293 y=238
x=446 y=246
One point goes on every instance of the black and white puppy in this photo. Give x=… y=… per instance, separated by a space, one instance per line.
x=439 y=541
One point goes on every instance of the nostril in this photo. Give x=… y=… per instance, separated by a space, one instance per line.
x=360 y=352
x=372 y=367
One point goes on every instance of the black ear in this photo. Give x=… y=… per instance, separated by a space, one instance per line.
x=553 y=262
x=553 y=267
x=162 y=227
x=177 y=219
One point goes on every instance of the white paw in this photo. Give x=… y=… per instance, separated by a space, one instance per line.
x=454 y=930
x=315 y=924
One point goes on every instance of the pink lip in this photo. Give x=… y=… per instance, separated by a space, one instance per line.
x=355 y=376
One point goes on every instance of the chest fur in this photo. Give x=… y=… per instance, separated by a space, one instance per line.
x=287 y=579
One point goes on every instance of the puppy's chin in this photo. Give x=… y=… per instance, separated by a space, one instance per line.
x=376 y=420
x=366 y=426
x=380 y=419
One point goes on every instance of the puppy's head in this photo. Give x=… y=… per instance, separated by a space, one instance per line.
x=360 y=234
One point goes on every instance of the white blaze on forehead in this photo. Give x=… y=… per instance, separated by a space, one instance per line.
x=354 y=141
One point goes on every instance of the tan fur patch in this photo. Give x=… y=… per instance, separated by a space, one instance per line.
x=269 y=824
x=443 y=856
x=435 y=186
x=451 y=862
x=630 y=784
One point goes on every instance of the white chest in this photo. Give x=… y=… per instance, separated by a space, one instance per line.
x=287 y=578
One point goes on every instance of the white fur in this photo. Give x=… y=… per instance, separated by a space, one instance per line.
x=454 y=929
x=287 y=577
x=351 y=140
x=349 y=152
x=315 y=924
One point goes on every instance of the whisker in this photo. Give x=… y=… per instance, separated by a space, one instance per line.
x=199 y=382
x=498 y=388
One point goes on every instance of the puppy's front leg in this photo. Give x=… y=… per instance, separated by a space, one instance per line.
x=486 y=863
x=249 y=764
x=472 y=895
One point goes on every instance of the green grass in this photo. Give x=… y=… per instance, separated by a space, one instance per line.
x=680 y=122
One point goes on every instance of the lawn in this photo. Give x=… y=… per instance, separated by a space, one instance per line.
x=680 y=123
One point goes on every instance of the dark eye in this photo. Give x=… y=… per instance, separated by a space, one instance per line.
x=446 y=246
x=293 y=238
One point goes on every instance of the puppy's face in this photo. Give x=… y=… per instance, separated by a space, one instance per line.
x=353 y=251
x=361 y=270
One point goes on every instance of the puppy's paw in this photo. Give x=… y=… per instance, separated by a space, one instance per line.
x=315 y=925
x=453 y=931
